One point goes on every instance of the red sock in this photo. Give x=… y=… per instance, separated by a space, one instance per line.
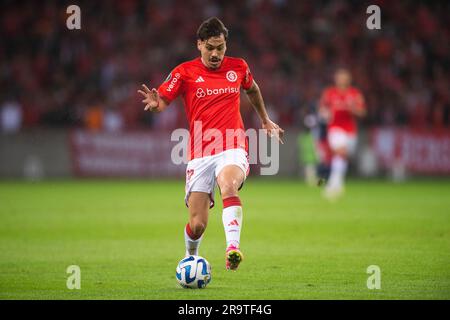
x=231 y=201
x=190 y=233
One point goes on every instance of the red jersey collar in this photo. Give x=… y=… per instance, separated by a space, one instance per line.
x=209 y=69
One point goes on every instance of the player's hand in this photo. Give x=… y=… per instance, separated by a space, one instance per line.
x=151 y=98
x=356 y=107
x=325 y=114
x=273 y=130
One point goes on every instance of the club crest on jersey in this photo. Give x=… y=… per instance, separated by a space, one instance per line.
x=231 y=76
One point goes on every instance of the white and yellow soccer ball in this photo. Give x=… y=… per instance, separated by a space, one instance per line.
x=193 y=272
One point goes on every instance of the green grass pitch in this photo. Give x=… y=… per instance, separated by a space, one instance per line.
x=127 y=238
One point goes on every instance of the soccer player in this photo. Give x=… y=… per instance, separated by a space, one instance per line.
x=210 y=88
x=340 y=106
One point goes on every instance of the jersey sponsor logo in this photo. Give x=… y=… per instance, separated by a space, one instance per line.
x=201 y=93
x=231 y=76
x=200 y=79
x=173 y=82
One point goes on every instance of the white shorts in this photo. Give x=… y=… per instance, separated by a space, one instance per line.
x=201 y=173
x=339 y=138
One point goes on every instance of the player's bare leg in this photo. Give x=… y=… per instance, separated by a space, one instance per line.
x=198 y=219
x=335 y=185
x=229 y=180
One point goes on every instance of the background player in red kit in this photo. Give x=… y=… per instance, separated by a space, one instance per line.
x=340 y=106
x=210 y=88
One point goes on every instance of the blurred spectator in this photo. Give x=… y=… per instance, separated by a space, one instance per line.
x=112 y=120
x=292 y=48
x=93 y=118
x=10 y=116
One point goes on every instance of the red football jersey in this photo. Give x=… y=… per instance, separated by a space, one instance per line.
x=340 y=102
x=211 y=100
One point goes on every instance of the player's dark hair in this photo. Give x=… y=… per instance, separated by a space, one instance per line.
x=212 y=27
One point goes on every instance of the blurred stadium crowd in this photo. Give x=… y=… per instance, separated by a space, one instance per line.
x=52 y=76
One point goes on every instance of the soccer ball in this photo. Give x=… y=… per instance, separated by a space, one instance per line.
x=193 y=272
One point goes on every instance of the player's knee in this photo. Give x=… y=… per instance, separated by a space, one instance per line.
x=229 y=190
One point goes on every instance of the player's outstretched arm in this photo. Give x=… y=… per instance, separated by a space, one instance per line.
x=153 y=102
x=256 y=99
